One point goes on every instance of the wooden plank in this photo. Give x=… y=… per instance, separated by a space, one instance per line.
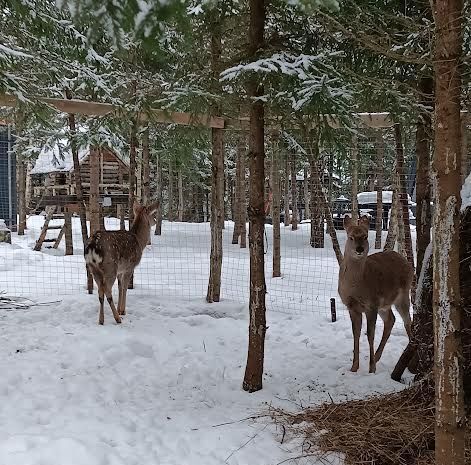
x=87 y=108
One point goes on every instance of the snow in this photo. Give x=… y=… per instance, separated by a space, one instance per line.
x=466 y=193
x=57 y=158
x=165 y=385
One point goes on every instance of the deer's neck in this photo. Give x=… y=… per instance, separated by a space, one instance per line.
x=141 y=228
x=353 y=269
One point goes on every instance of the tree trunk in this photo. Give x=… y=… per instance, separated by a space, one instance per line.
x=294 y=193
x=449 y=406
x=93 y=203
x=275 y=185
x=393 y=221
x=171 y=202
x=132 y=180
x=355 y=212
x=145 y=167
x=217 y=174
x=286 y=191
x=69 y=244
x=78 y=186
x=379 y=188
x=239 y=188
x=180 y=195
x=243 y=199
x=404 y=201
x=307 y=211
x=317 y=195
x=423 y=182
x=464 y=148
x=257 y=326
x=21 y=182
x=158 y=214
x=29 y=187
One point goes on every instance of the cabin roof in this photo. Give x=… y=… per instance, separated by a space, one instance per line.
x=58 y=159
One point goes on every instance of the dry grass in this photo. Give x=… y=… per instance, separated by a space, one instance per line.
x=393 y=429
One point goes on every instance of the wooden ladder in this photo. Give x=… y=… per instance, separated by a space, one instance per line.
x=52 y=215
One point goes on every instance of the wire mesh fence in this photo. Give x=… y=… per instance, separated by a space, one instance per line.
x=309 y=190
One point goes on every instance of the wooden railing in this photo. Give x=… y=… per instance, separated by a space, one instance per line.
x=68 y=189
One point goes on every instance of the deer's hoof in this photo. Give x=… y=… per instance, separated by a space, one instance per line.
x=354 y=369
x=118 y=321
x=101 y=322
x=373 y=369
x=122 y=312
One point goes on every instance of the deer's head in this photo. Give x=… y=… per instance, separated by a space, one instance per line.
x=145 y=213
x=357 y=245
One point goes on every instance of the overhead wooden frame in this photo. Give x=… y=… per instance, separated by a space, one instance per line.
x=87 y=108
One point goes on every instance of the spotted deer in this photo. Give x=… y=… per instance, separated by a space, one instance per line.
x=111 y=254
x=371 y=284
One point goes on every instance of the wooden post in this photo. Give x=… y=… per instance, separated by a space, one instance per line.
x=132 y=180
x=286 y=190
x=158 y=215
x=243 y=194
x=333 y=310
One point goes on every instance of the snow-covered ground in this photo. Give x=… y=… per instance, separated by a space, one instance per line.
x=165 y=386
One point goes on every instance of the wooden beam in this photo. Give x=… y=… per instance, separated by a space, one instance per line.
x=84 y=107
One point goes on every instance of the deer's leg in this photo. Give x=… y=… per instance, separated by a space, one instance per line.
x=388 y=319
x=371 y=317
x=101 y=297
x=403 y=307
x=120 y=294
x=355 y=317
x=109 y=297
x=124 y=283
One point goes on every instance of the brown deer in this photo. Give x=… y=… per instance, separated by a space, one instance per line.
x=111 y=254
x=370 y=284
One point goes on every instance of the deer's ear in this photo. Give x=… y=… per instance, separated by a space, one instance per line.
x=364 y=222
x=153 y=207
x=136 y=207
x=347 y=222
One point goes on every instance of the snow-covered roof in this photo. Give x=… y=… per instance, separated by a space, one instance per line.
x=57 y=159
x=366 y=198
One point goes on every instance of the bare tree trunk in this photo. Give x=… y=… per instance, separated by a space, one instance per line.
x=180 y=195
x=286 y=191
x=243 y=200
x=257 y=326
x=307 y=211
x=294 y=193
x=393 y=223
x=450 y=424
x=355 y=212
x=379 y=188
x=423 y=182
x=21 y=182
x=145 y=167
x=217 y=175
x=239 y=179
x=78 y=186
x=69 y=244
x=464 y=148
x=404 y=201
x=132 y=180
x=275 y=185
x=158 y=215
x=171 y=202
x=317 y=197
x=93 y=203
x=29 y=187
